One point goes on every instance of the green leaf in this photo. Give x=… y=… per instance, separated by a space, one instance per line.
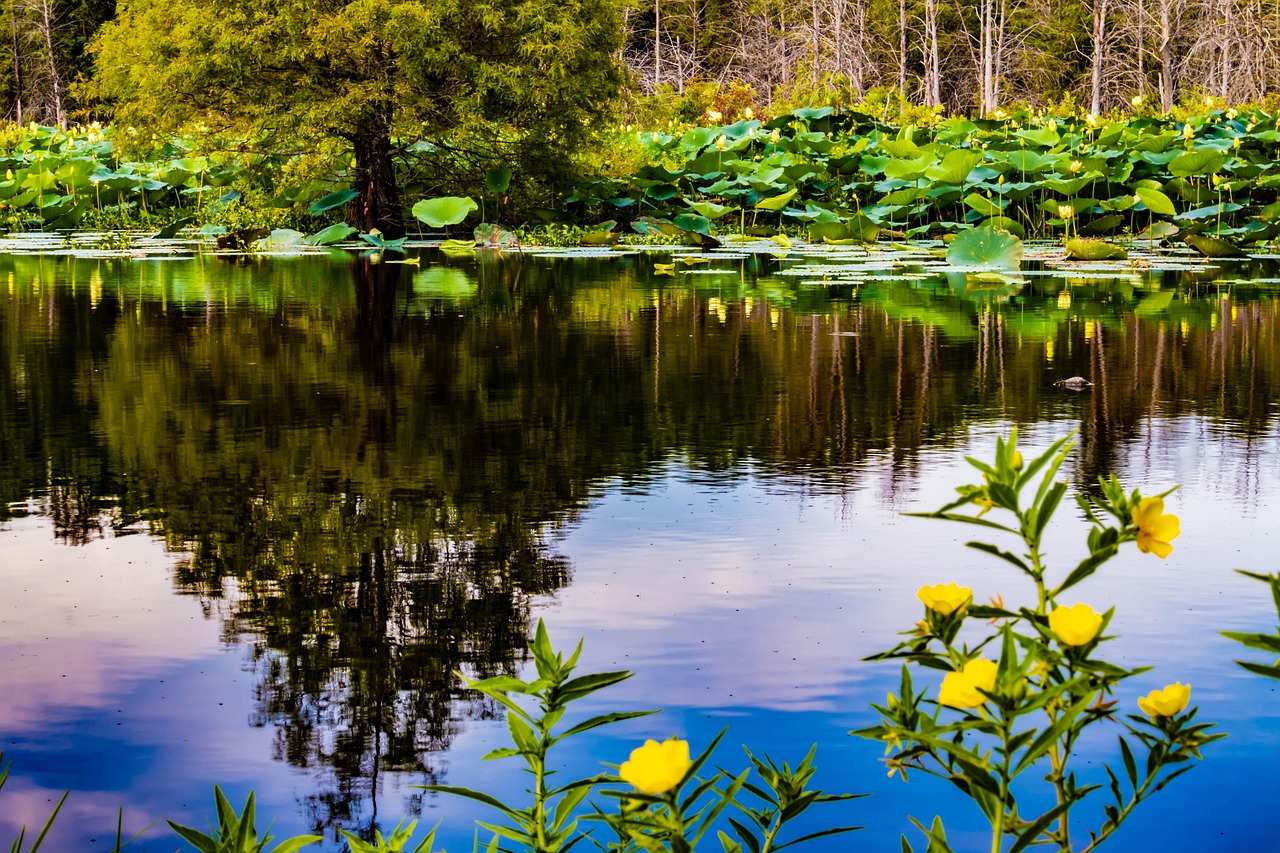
x=443 y=211
x=1199 y=163
x=777 y=202
x=335 y=233
x=1051 y=734
x=1094 y=250
x=297 y=843
x=1156 y=201
x=196 y=839
x=838 y=830
x=1214 y=247
x=171 y=230
x=478 y=796
x=1086 y=567
x=332 y=200
x=497 y=180
x=985 y=247
x=710 y=210
x=603 y=720
x=984 y=205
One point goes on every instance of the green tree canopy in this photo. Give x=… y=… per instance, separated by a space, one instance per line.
x=362 y=76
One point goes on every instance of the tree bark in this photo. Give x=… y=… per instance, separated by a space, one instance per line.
x=378 y=205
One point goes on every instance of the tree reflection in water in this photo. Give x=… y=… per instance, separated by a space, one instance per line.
x=367 y=464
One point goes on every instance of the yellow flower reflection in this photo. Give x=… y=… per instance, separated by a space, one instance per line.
x=945 y=598
x=1168 y=702
x=960 y=689
x=656 y=768
x=1155 y=529
x=1076 y=625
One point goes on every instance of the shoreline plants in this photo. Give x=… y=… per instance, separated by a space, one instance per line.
x=1022 y=686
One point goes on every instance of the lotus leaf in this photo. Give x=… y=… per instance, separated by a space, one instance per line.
x=447 y=210
x=1156 y=201
x=987 y=247
x=1094 y=250
x=333 y=234
x=1214 y=247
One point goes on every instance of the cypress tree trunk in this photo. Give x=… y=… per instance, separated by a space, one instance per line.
x=379 y=203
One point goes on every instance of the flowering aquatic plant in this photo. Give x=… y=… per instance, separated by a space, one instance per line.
x=1019 y=695
x=667 y=808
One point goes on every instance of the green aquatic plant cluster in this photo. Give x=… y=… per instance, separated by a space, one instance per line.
x=1209 y=179
x=1023 y=685
x=54 y=179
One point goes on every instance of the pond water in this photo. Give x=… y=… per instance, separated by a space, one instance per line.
x=255 y=511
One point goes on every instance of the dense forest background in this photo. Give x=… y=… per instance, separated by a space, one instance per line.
x=964 y=55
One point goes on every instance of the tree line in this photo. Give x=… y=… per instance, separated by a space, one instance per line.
x=965 y=55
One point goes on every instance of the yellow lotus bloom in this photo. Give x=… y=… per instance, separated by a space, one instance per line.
x=960 y=689
x=775 y=136
x=1053 y=125
x=1137 y=100
x=1075 y=166
x=1169 y=702
x=720 y=142
x=1155 y=529
x=1187 y=131
x=1066 y=211
x=1076 y=625
x=945 y=598
x=656 y=768
x=748 y=113
x=1231 y=114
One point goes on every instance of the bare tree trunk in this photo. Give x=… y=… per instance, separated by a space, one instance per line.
x=1166 y=56
x=657 y=44
x=55 y=80
x=932 y=83
x=1100 y=11
x=17 y=69
x=1227 y=9
x=902 y=48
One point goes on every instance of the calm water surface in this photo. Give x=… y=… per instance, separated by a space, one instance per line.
x=254 y=513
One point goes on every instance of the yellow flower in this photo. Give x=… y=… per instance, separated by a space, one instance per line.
x=945 y=598
x=1075 y=166
x=1187 y=131
x=1076 y=625
x=1137 y=100
x=1169 y=702
x=775 y=136
x=1155 y=529
x=960 y=689
x=656 y=768
x=748 y=113
x=1066 y=211
x=720 y=142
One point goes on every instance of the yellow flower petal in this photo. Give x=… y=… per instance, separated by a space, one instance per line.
x=945 y=598
x=656 y=768
x=1167 y=702
x=1076 y=625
